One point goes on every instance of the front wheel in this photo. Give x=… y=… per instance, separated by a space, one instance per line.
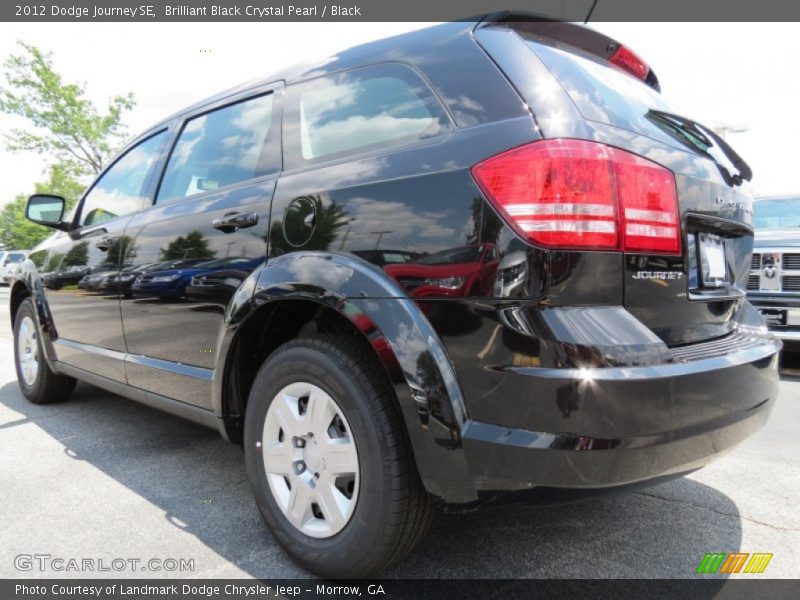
x=37 y=382
x=329 y=459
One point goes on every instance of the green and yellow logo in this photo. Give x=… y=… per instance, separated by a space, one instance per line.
x=735 y=562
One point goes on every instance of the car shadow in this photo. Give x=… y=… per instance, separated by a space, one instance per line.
x=199 y=481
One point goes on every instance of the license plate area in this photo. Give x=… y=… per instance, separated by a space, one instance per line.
x=713 y=269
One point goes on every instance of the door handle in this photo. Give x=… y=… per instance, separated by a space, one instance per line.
x=105 y=243
x=234 y=221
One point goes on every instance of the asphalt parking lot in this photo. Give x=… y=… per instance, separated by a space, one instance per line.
x=102 y=477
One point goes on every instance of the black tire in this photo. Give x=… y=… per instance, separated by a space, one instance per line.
x=48 y=387
x=393 y=510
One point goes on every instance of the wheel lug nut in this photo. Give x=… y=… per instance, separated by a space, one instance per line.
x=299 y=442
x=300 y=466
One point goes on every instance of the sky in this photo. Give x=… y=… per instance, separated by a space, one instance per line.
x=735 y=74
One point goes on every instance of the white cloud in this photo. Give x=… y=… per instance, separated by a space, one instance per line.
x=407 y=224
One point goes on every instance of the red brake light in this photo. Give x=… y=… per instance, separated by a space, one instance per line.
x=626 y=60
x=581 y=194
x=648 y=202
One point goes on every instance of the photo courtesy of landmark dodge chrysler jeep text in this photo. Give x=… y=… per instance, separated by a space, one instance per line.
x=480 y=256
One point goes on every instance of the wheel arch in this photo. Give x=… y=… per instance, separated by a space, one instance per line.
x=29 y=285
x=315 y=292
x=19 y=291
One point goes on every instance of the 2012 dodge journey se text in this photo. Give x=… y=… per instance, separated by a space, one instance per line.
x=477 y=257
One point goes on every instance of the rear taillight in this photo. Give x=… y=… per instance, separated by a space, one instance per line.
x=648 y=205
x=586 y=195
x=629 y=62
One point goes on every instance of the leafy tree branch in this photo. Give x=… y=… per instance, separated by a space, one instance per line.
x=66 y=126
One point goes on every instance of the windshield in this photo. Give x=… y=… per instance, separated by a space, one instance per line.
x=776 y=214
x=394 y=258
x=464 y=254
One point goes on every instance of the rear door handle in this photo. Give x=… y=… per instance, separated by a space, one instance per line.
x=234 y=221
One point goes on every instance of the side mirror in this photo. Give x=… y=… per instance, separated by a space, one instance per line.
x=46 y=210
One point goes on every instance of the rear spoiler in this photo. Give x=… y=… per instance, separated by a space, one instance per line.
x=583 y=38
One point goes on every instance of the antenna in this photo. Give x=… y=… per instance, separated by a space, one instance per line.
x=591 y=10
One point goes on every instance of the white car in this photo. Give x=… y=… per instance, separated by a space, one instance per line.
x=9 y=263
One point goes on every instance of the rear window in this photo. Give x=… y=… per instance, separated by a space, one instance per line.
x=360 y=110
x=605 y=94
x=602 y=93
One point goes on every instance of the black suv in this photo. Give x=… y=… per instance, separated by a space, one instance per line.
x=561 y=302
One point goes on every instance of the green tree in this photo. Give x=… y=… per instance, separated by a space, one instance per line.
x=16 y=231
x=77 y=256
x=191 y=245
x=67 y=127
x=124 y=249
x=54 y=261
x=77 y=138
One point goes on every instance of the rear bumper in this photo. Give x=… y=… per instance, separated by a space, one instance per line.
x=787 y=334
x=647 y=422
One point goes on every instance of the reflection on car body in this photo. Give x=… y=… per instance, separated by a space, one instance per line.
x=93 y=281
x=70 y=276
x=382 y=258
x=171 y=283
x=218 y=286
x=10 y=261
x=456 y=272
x=122 y=282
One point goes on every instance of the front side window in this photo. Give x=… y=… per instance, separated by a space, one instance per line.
x=220 y=148
x=360 y=110
x=121 y=189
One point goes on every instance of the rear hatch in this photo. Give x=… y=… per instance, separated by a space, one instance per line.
x=692 y=295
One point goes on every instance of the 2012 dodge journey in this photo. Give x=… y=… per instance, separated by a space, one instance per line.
x=481 y=256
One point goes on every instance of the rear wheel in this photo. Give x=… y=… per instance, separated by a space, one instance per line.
x=329 y=460
x=37 y=382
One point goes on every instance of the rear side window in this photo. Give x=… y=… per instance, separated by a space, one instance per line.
x=15 y=257
x=358 y=111
x=220 y=148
